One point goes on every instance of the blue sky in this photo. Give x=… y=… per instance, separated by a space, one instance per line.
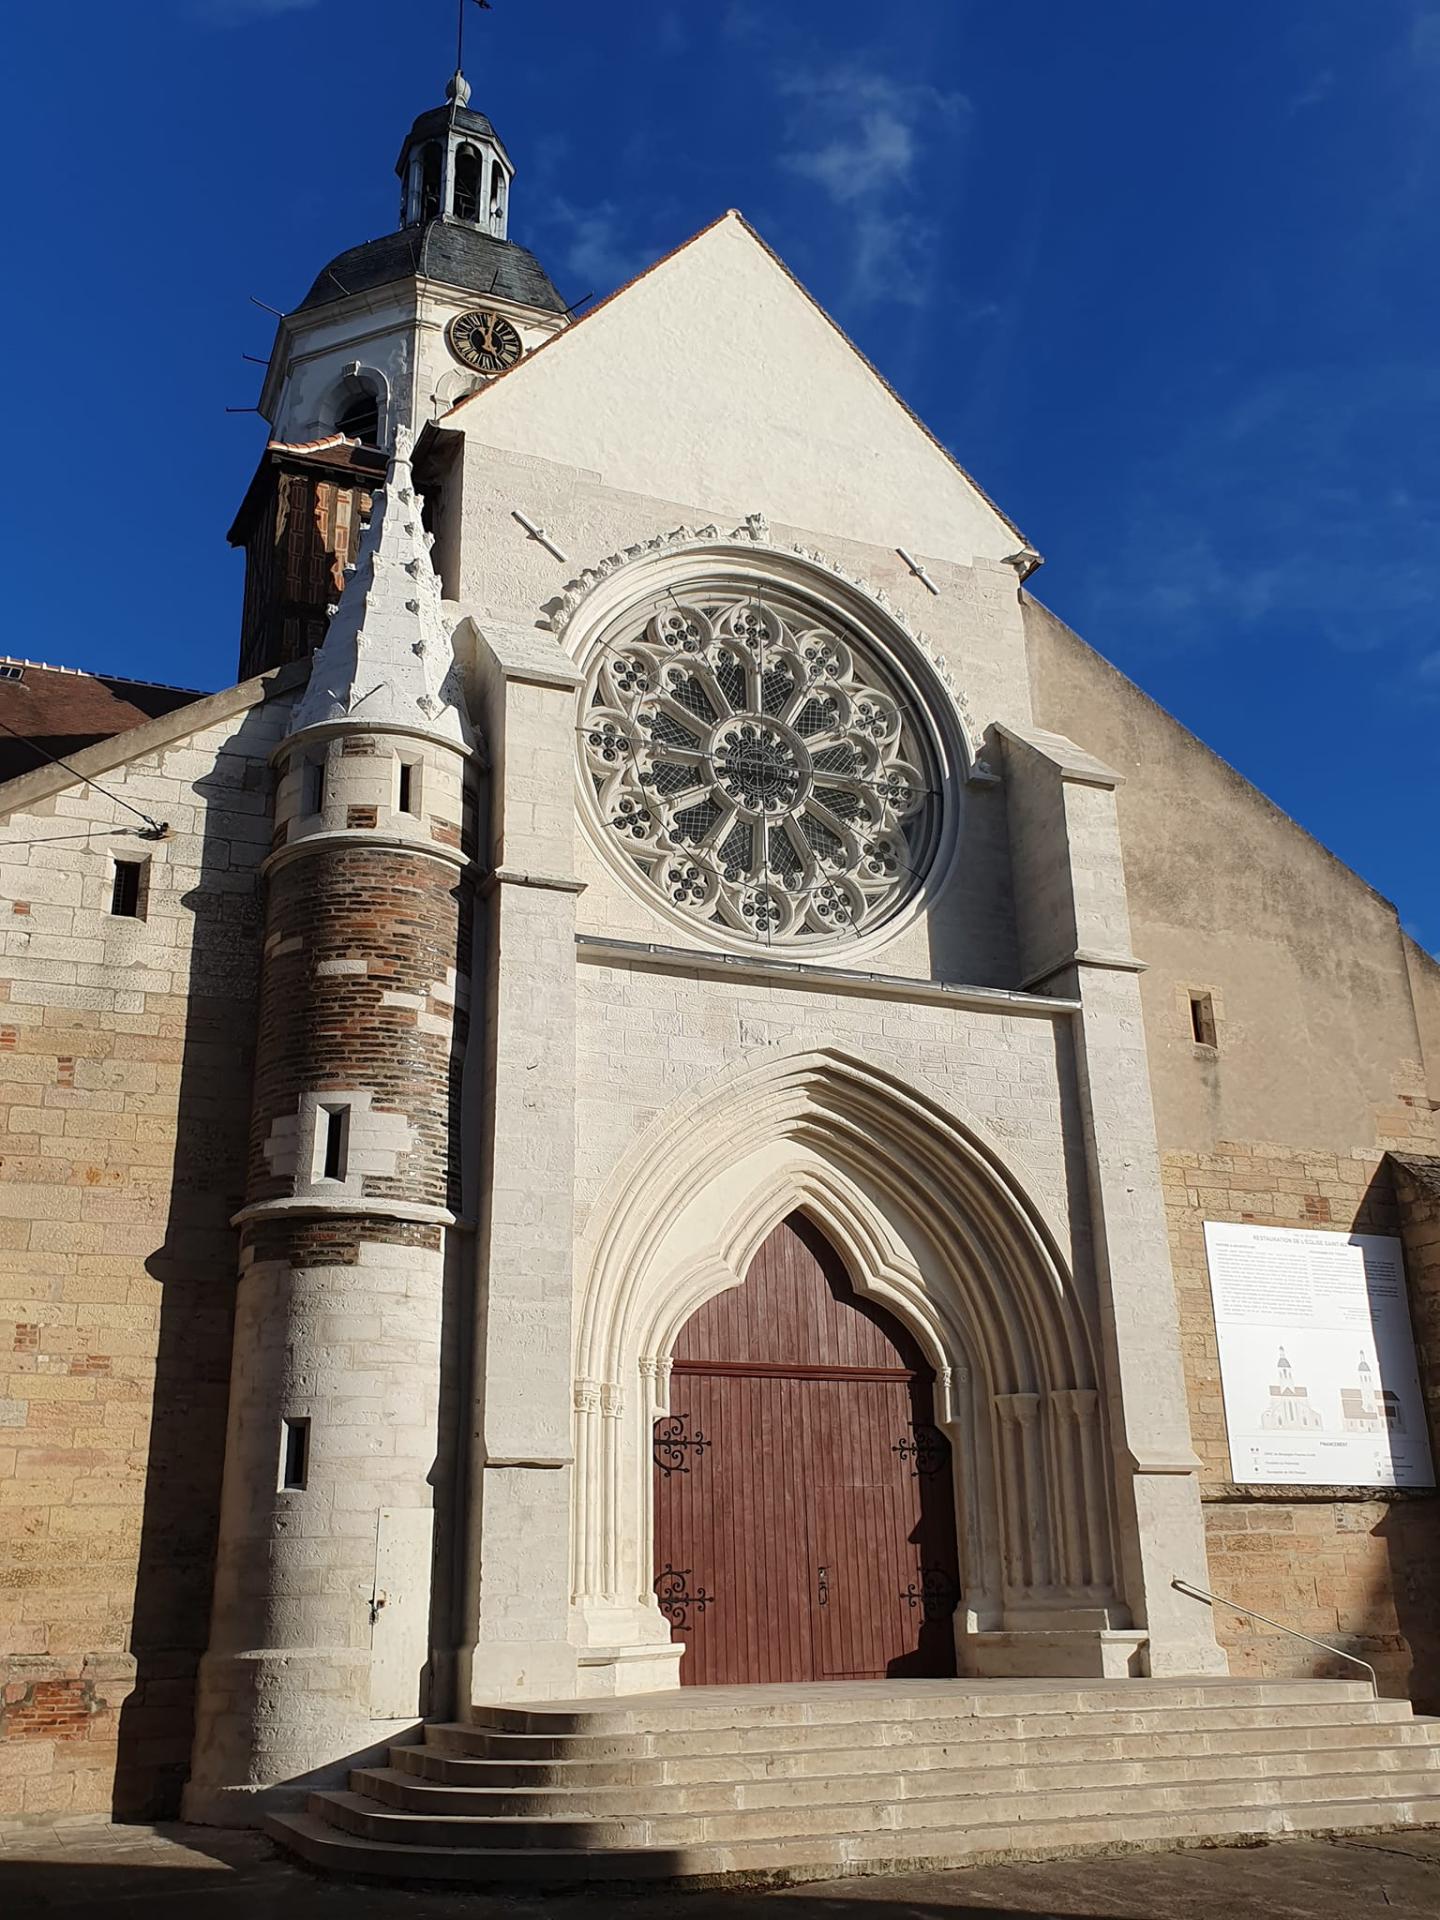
x=1163 y=277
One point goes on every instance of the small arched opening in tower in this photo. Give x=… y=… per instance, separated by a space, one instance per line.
x=497 y=203
x=469 y=170
x=429 y=181
x=359 y=417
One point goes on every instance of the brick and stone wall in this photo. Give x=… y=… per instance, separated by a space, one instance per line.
x=365 y=952
x=339 y=1307
x=1352 y=1569
x=125 y=1062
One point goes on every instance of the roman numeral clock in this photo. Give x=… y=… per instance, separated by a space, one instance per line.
x=484 y=340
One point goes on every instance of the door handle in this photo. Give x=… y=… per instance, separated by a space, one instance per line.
x=824 y=1586
x=377 y=1601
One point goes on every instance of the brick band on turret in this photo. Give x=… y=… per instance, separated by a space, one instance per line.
x=364 y=953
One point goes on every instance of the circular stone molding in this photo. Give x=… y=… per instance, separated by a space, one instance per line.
x=756 y=764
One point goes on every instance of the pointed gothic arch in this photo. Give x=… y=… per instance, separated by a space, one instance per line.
x=930 y=1225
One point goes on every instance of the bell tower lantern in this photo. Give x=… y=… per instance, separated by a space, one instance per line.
x=454 y=166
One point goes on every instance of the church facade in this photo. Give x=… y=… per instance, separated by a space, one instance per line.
x=636 y=1105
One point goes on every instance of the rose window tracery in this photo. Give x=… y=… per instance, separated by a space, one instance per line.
x=758 y=765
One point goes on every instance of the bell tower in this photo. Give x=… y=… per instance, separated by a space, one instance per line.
x=392 y=333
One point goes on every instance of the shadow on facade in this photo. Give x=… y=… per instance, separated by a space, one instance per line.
x=195 y=1268
x=1404 y=1603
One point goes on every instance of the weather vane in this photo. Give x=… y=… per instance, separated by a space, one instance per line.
x=485 y=7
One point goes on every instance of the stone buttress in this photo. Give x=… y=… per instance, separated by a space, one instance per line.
x=321 y=1630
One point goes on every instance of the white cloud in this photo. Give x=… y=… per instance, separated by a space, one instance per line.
x=862 y=137
x=597 y=245
x=672 y=36
x=1289 y=520
x=1424 y=46
x=740 y=21
x=237 y=13
x=1315 y=94
x=857 y=133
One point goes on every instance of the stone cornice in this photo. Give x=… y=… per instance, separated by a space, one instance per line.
x=1084 y=957
x=499 y=877
x=1072 y=763
x=361 y=1206
x=376 y=839
x=593 y=950
x=329 y=729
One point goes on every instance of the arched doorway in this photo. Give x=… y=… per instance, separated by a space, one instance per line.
x=804 y=1506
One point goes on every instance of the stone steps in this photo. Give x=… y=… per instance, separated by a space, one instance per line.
x=792 y=1783
x=882 y=1731
x=436 y=1764
x=841 y=1854
x=397 y=1788
x=360 y=1813
x=710 y=1708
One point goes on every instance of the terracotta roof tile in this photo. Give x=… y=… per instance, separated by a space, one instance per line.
x=58 y=710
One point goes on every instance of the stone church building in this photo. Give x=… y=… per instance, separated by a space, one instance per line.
x=635 y=1107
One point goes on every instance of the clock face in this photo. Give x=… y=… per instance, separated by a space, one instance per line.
x=484 y=340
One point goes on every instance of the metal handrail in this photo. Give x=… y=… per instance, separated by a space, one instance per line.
x=1218 y=1600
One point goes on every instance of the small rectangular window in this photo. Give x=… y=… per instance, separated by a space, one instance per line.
x=125 y=889
x=294 y=1453
x=1202 y=1019
x=407 y=789
x=313 y=799
x=335 y=1132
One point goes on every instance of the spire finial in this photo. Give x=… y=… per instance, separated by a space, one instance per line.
x=458 y=91
x=460 y=6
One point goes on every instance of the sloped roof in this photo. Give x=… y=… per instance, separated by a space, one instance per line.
x=336 y=451
x=446 y=250
x=57 y=711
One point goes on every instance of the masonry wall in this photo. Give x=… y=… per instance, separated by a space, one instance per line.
x=125 y=1068
x=1319 y=1075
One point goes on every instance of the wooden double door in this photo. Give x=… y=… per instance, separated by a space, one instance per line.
x=804 y=1503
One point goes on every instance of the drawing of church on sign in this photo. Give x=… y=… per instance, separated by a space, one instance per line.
x=1366 y=1408
x=1290 y=1404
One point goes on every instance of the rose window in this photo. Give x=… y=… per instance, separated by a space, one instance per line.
x=757 y=766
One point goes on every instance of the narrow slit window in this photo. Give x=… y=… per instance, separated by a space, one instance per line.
x=125 y=889
x=1202 y=1019
x=313 y=800
x=294 y=1453
x=335 y=1129
x=407 y=798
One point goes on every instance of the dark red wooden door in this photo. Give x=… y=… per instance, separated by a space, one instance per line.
x=804 y=1509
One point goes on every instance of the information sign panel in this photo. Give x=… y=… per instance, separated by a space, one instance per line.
x=1317 y=1358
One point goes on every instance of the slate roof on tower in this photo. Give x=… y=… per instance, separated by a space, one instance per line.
x=445 y=250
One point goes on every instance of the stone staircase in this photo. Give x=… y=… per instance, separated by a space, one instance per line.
x=766 y=1784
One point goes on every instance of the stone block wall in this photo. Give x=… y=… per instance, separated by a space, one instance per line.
x=124 y=1078
x=1351 y=1566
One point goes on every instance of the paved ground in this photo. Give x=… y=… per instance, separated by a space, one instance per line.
x=193 y=1873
